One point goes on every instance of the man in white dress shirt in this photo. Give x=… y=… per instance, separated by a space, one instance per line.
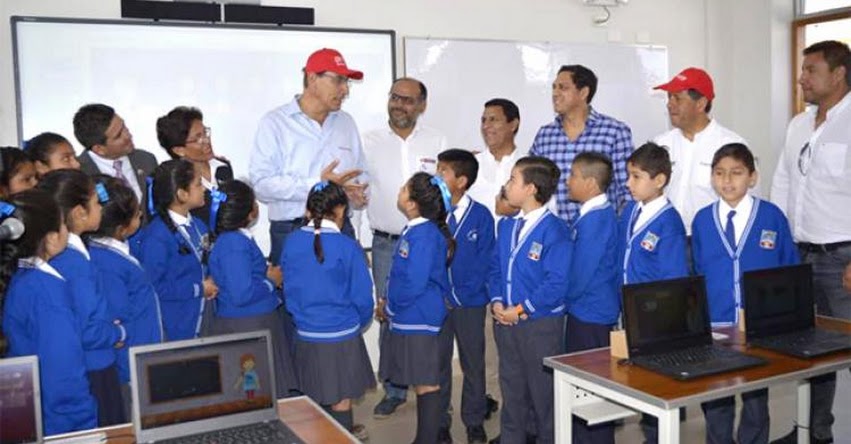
x=812 y=185
x=393 y=154
x=692 y=142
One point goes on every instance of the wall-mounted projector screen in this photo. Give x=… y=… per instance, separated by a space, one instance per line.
x=234 y=74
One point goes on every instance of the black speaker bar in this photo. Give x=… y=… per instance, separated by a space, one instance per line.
x=212 y=12
x=278 y=15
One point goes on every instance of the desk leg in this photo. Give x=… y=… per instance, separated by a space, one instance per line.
x=804 y=412
x=669 y=427
x=564 y=396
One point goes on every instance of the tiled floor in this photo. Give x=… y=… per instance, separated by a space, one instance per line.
x=400 y=428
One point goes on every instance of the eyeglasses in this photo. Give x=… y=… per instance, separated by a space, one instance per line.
x=805 y=158
x=337 y=79
x=404 y=100
x=205 y=137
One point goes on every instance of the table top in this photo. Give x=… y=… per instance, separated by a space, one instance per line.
x=599 y=367
x=300 y=414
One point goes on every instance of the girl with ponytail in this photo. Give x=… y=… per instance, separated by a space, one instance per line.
x=329 y=293
x=249 y=293
x=417 y=294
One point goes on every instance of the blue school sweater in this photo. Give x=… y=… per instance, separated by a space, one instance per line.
x=593 y=295
x=331 y=301
x=98 y=330
x=418 y=284
x=239 y=269
x=766 y=243
x=534 y=272
x=657 y=249
x=177 y=277
x=38 y=320
x=474 y=247
x=131 y=296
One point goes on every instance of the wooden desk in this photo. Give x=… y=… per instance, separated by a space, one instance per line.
x=598 y=373
x=309 y=421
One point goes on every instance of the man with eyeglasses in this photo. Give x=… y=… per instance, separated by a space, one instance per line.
x=306 y=141
x=812 y=185
x=393 y=154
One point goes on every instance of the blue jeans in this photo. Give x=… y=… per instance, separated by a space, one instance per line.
x=382 y=257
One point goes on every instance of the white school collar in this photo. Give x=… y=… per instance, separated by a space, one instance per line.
x=76 y=242
x=596 y=201
x=41 y=265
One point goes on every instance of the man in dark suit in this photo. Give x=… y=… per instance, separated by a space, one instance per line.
x=109 y=148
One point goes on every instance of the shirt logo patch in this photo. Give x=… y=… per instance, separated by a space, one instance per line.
x=403 y=249
x=768 y=239
x=473 y=235
x=535 y=251
x=649 y=242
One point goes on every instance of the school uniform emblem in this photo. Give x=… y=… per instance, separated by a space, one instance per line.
x=473 y=235
x=768 y=239
x=535 y=251
x=649 y=242
x=403 y=249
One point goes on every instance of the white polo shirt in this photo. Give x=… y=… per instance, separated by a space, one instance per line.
x=492 y=176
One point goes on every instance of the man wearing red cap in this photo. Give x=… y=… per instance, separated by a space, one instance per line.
x=692 y=142
x=306 y=141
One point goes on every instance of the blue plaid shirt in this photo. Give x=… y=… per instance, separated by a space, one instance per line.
x=602 y=134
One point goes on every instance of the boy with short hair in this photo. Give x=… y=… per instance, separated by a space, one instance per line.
x=733 y=235
x=528 y=286
x=472 y=226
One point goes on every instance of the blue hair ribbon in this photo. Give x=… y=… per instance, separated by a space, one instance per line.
x=444 y=191
x=103 y=195
x=149 y=181
x=6 y=209
x=320 y=186
x=216 y=199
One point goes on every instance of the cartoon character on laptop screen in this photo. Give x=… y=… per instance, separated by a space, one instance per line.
x=248 y=377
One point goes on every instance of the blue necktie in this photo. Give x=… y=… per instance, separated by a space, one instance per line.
x=518 y=228
x=453 y=222
x=730 y=230
x=634 y=220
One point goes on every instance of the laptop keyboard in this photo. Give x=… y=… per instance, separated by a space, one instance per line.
x=689 y=356
x=261 y=433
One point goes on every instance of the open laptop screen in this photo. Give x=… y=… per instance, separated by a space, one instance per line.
x=19 y=402
x=778 y=300
x=666 y=315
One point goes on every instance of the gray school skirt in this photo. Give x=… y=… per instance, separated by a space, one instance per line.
x=409 y=359
x=332 y=371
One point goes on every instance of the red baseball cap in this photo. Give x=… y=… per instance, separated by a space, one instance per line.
x=690 y=78
x=327 y=59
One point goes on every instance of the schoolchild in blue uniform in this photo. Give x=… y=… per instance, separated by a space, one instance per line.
x=329 y=293
x=173 y=249
x=528 y=286
x=733 y=235
x=417 y=293
x=129 y=294
x=652 y=237
x=249 y=289
x=38 y=318
x=80 y=199
x=472 y=226
x=18 y=174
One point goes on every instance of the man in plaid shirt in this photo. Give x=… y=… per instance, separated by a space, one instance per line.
x=577 y=128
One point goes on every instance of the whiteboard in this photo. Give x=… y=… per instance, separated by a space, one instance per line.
x=463 y=74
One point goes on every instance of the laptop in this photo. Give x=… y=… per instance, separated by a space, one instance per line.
x=668 y=330
x=20 y=401
x=780 y=313
x=218 y=389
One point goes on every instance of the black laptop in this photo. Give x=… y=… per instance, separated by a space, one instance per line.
x=668 y=330
x=780 y=313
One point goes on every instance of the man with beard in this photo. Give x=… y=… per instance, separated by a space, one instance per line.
x=393 y=154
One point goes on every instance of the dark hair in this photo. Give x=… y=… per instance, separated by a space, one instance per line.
x=596 y=165
x=653 y=159
x=541 y=172
x=233 y=212
x=835 y=53
x=582 y=77
x=735 y=151
x=12 y=159
x=173 y=128
x=90 y=124
x=69 y=188
x=462 y=162
x=696 y=95
x=509 y=108
x=170 y=176
x=323 y=198
x=423 y=89
x=40 y=147
x=429 y=200
x=119 y=210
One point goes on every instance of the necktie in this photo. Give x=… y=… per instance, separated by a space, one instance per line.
x=119 y=172
x=453 y=222
x=518 y=228
x=730 y=230
x=634 y=220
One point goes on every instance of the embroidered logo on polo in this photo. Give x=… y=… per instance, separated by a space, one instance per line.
x=473 y=235
x=649 y=242
x=768 y=239
x=535 y=251
x=403 y=248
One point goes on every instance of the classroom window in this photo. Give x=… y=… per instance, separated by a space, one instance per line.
x=813 y=6
x=816 y=20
